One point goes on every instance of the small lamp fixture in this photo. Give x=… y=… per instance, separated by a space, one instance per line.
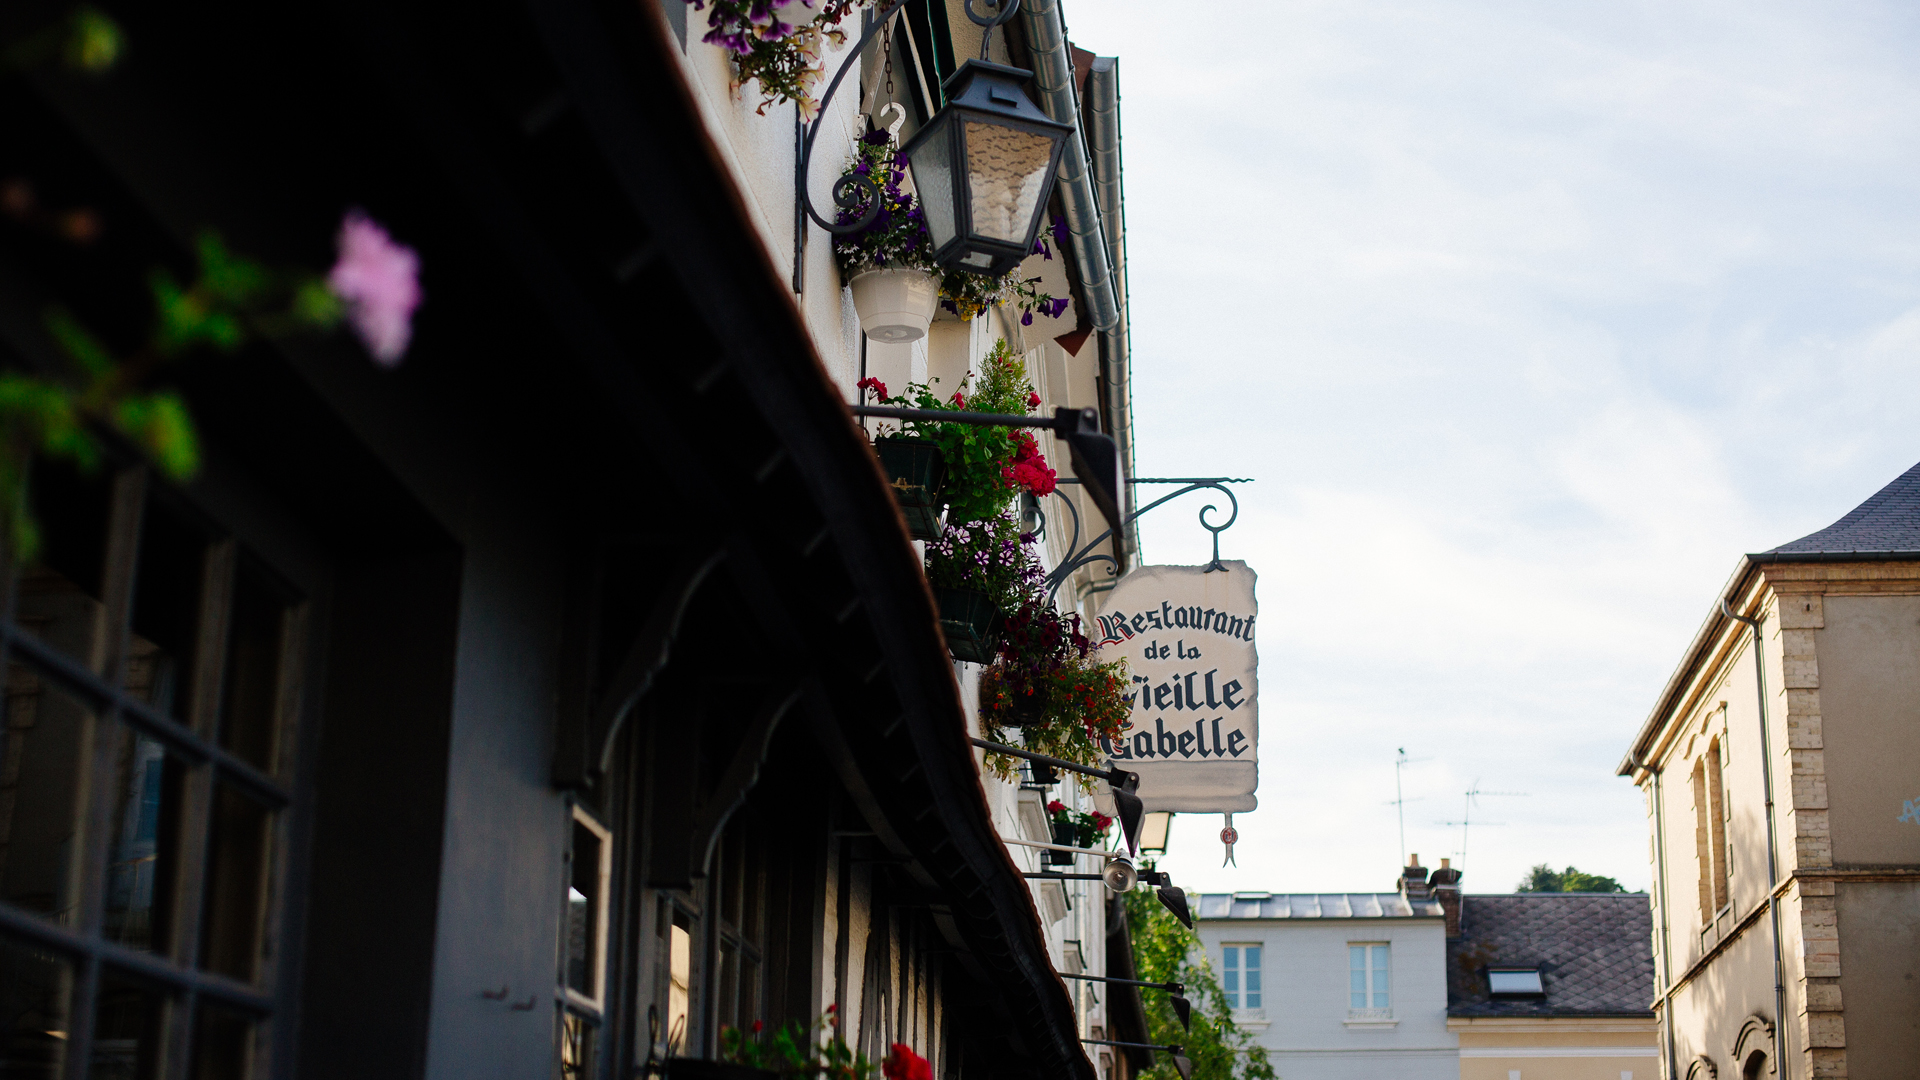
x=984 y=167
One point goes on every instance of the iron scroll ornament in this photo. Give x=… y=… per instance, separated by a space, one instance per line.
x=850 y=190
x=1079 y=557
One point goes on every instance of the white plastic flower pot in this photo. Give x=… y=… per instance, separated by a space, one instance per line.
x=895 y=305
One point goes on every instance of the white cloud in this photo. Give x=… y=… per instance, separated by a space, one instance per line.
x=1529 y=319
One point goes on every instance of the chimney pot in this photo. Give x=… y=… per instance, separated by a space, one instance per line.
x=1444 y=862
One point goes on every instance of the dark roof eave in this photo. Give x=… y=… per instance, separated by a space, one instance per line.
x=1766 y=557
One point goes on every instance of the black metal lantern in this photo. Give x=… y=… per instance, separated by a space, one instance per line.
x=984 y=167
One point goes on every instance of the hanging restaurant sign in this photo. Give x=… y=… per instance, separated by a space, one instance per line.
x=1187 y=635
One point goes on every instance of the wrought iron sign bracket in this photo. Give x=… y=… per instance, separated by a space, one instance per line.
x=1079 y=556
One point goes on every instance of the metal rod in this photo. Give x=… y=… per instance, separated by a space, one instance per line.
x=1171 y=1048
x=1067 y=877
x=955 y=417
x=1173 y=986
x=1112 y=775
x=1174 y=480
x=1060 y=847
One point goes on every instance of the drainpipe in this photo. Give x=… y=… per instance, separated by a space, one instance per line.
x=1103 y=141
x=1773 y=868
x=1666 y=940
x=1053 y=75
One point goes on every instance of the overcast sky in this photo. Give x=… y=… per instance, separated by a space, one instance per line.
x=1529 y=319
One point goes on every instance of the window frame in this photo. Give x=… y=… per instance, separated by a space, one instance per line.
x=594 y=1004
x=1373 y=991
x=174 y=969
x=1237 y=998
x=1539 y=983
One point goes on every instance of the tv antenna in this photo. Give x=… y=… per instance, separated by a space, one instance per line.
x=1400 y=799
x=1474 y=795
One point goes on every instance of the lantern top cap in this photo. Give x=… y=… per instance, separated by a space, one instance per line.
x=985 y=86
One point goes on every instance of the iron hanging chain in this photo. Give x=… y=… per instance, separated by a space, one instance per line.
x=886 y=47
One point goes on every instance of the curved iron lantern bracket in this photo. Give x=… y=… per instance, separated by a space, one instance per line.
x=850 y=190
x=1079 y=557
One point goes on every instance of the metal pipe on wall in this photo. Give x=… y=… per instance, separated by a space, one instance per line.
x=1773 y=862
x=1103 y=141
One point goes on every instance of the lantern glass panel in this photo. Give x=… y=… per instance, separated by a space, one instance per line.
x=1007 y=172
x=932 y=164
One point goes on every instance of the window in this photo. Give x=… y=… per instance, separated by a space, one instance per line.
x=1710 y=830
x=149 y=665
x=1240 y=975
x=1367 y=976
x=1515 y=982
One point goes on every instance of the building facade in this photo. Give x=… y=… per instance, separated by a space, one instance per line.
x=572 y=691
x=1336 y=986
x=1783 y=812
x=1429 y=982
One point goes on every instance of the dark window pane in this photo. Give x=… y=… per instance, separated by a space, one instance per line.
x=166 y=610
x=250 y=707
x=35 y=987
x=222 y=1044
x=127 y=1025
x=60 y=588
x=140 y=861
x=583 y=913
x=237 y=864
x=43 y=769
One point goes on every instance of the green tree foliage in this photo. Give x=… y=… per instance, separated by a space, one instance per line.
x=1544 y=878
x=1165 y=951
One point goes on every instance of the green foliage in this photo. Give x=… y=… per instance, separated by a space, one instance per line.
x=86 y=39
x=1544 y=878
x=979 y=485
x=1165 y=951
x=797 y=1051
x=58 y=416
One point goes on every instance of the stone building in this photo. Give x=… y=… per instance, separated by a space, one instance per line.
x=1783 y=807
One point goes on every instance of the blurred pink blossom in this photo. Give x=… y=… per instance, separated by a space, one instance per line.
x=380 y=282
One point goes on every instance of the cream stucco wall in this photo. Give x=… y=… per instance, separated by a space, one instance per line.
x=1557 y=1049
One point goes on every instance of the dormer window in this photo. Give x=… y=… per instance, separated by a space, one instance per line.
x=1514 y=982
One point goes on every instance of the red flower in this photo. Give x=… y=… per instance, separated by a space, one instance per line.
x=904 y=1064
x=1033 y=400
x=758 y=1026
x=958 y=400
x=1056 y=806
x=879 y=388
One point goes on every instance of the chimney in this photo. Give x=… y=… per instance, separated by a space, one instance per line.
x=1446 y=889
x=1413 y=880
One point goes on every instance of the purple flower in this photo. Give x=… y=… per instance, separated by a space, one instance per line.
x=875 y=138
x=1059 y=230
x=379 y=280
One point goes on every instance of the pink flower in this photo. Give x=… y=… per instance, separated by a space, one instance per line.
x=379 y=280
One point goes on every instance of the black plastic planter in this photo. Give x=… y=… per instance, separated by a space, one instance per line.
x=1022 y=711
x=971 y=622
x=1062 y=834
x=681 y=1068
x=917 y=469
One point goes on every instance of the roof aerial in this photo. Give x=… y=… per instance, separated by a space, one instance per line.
x=1886 y=524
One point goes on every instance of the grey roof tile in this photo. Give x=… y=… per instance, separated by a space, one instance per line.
x=1889 y=521
x=1594 y=952
x=1314 y=906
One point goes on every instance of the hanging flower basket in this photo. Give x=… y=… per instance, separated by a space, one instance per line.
x=971 y=621
x=895 y=306
x=1063 y=833
x=917 y=469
